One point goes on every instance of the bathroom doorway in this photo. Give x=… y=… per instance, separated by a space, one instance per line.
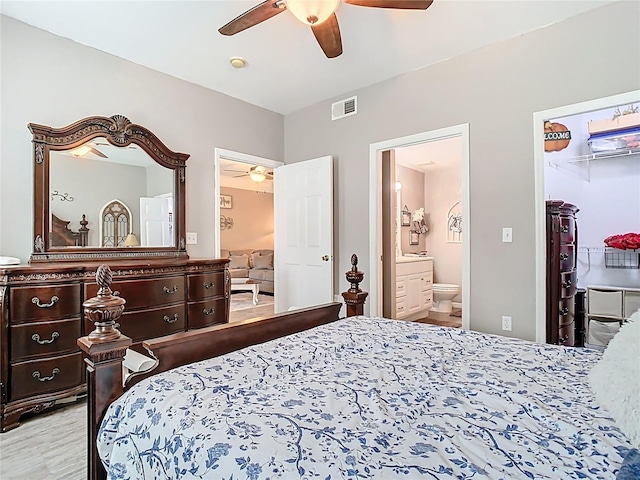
x=445 y=200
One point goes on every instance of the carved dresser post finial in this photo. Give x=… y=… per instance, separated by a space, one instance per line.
x=354 y=297
x=104 y=349
x=104 y=309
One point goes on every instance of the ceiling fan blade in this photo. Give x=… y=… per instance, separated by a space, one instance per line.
x=254 y=16
x=328 y=36
x=403 y=4
x=98 y=152
x=238 y=176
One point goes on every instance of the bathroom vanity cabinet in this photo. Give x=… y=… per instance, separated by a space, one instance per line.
x=414 y=286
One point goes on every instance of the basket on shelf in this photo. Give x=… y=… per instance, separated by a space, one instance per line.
x=616 y=258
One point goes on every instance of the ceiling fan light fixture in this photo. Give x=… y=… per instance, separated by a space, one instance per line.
x=257 y=176
x=80 y=151
x=312 y=12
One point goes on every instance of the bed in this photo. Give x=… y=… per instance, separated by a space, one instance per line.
x=360 y=397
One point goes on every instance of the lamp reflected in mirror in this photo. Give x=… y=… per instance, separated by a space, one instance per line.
x=131 y=241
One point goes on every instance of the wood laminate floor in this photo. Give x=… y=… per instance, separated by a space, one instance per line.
x=442 y=319
x=48 y=446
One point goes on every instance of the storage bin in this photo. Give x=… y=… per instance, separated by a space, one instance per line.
x=612 y=142
x=601 y=333
x=602 y=303
x=631 y=303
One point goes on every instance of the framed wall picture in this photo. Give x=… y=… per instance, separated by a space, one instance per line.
x=406 y=217
x=414 y=237
x=225 y=201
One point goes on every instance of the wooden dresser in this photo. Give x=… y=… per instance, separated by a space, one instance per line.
x=42 y=317
x=562 y=241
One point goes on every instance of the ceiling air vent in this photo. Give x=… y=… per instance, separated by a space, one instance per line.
x=344 y=108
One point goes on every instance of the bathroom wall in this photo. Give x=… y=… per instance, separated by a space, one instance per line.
x=411 y=195
x=443 y=188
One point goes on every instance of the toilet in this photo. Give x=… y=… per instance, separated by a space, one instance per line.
x=443 y=294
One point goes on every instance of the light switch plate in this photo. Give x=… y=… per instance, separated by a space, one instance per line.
x=507 y=235
x=506 y=323
x=192 y=238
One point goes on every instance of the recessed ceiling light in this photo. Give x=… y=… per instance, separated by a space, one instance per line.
x=237 y=62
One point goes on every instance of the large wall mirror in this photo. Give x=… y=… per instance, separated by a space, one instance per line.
x=106 y=188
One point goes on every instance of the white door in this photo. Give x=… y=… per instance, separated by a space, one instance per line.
x=155 y=222
x=303 y=199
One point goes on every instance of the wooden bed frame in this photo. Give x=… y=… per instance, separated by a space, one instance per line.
x=105 y=347
x=63 y=236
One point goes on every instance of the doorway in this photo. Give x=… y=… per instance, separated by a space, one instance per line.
x=244 y=230
x=540 y=211
x=379 y=189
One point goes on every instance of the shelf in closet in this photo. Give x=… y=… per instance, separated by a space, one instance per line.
x=579 y=165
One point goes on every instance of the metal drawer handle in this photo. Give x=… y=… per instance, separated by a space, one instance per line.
x=36 y=301
x=400 y=286
x=116 y=293
x=400 y=308
x=168 y=290
x=36 y=374
x=564 y=311
x=36 y=338
x=564 y=256
x=208 y=312
x=566 y=284
x=562 y=340
x=171 y=320
x=564 y=228
x=209 y=285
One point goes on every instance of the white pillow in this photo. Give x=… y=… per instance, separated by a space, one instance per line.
x=615 y=379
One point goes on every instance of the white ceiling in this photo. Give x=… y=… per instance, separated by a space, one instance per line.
x=286 y=68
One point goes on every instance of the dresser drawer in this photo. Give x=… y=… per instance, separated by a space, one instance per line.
x=44 y=303
x=401 y=287
x=602 y=303
x=37 y=339
x=427 y=299
x=401 y=308
x=567 y=229
x=145 y=293
x=568 y=284
x=566 y=335
x=205 y=285
x=566 y=309
x=36 y=377
x=567 y=257
x=156 y=322
x=208 y=312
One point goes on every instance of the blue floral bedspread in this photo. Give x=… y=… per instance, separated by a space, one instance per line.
x=368 y=398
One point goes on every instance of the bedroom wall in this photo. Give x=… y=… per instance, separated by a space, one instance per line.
x=54 y=81
x=496 y=90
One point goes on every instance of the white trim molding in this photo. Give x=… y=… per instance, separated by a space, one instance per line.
x=540 y=210
x=375 y=212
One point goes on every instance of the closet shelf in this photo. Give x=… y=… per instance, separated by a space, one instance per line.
x=580 y=165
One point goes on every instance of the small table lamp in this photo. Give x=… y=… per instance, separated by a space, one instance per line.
x=131 y=241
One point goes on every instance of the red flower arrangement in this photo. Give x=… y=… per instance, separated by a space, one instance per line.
x=627 y=241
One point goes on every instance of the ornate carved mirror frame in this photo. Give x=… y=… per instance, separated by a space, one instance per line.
x=120 y=132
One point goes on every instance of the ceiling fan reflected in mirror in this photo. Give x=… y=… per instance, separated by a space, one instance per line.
x=257 y=173
x=83 y=150
x=318 y=14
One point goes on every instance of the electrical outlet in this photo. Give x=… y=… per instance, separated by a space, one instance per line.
x=192 y=238
x=507 y=235
x=506 y=323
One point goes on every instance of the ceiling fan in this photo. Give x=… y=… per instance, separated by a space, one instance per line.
x=85 y=149
x=318 y=14
x=257 y=174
